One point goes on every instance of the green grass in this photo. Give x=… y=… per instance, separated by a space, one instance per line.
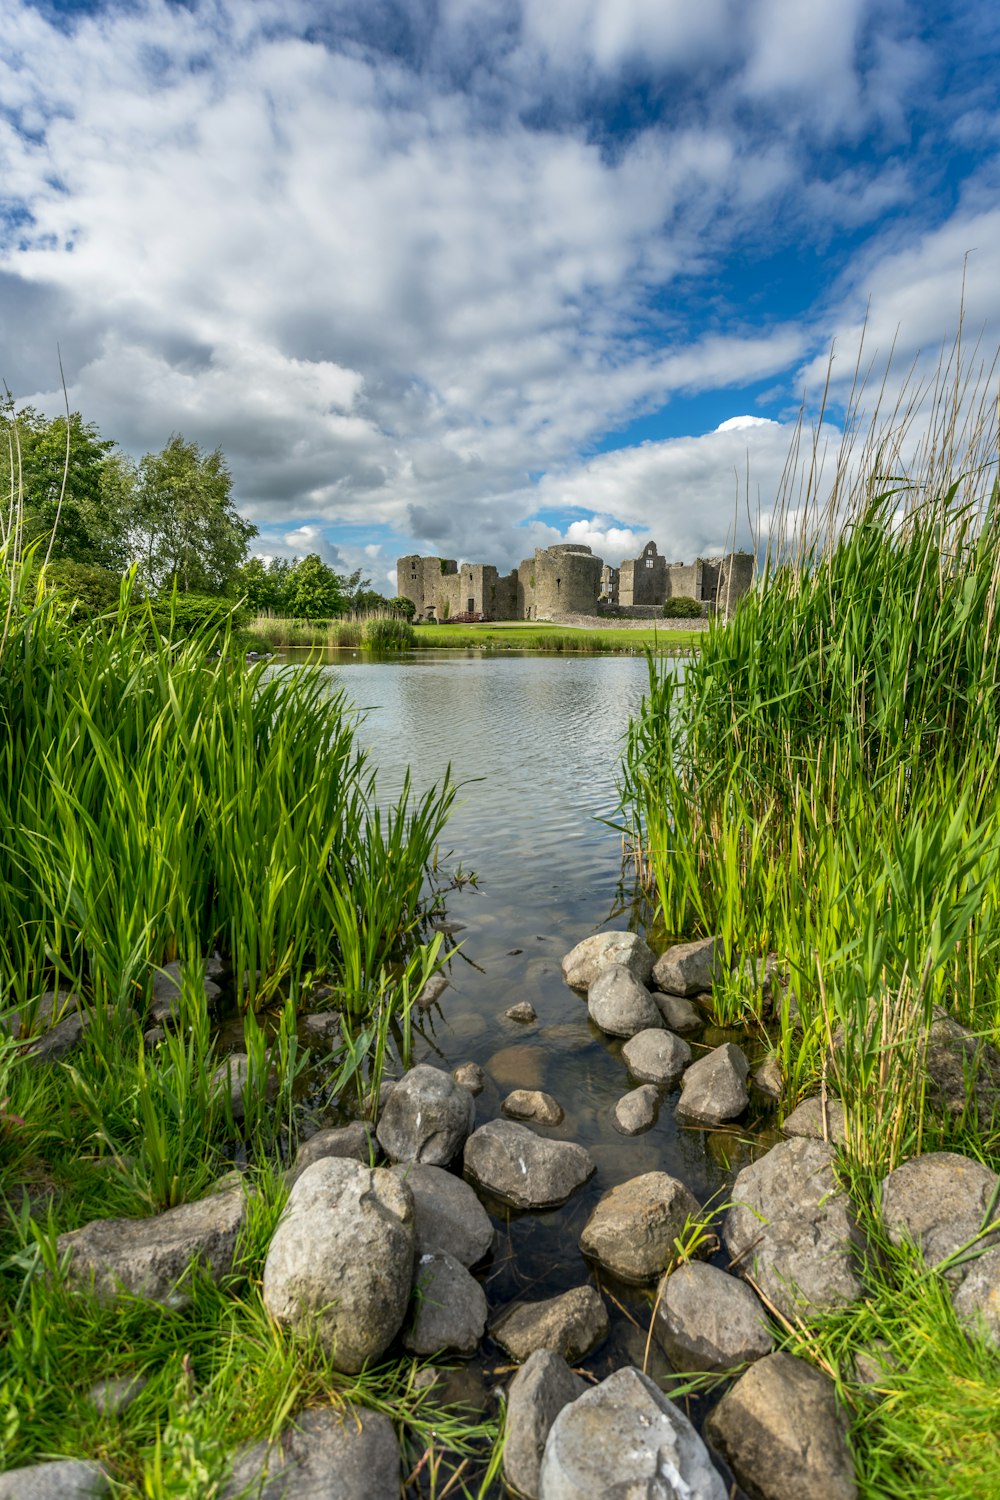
x=500 y=635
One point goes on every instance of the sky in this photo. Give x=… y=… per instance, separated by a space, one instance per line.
x=467 y=277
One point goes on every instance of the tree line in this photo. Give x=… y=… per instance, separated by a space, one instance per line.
x=171 y=515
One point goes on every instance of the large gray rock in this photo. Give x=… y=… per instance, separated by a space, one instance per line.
x=447 y=1214
x=678 y=1014
x=816 y=1122
x=620 y=1005
x=154 y=1257
x=636 y=1111
x=427 y=1118
x=522 y=1168
x=706 y=1320
x=330 y=1453
x=715 y=1087
x=355 y=1141
x=539 y=1391
x=450 y=1307
x=783 y=1434
x=624 y=1439
x=63 y=1479
x=532 y=1104
x=571 y=1324
x=689 y=968
x=656 y=1056
x=792 y=1228
x=977 y=1300
x=341 y=1259
x=939 y=1202
x=633 y=1228
x=626 y=950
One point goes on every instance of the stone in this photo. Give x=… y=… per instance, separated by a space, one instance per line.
x=541 y=1388
x=63 y=1479
x=626 y=950
x=636 y=1111
x=431 y=992
x=426 y=1118
x=689 y=968
x=767 y=1079
x=329 y=1453
x=447 y=928
x=355 y=1141
x=811 y=1120
x=706 y=1320
x=153 y=1037
x=321 y=1029
x=521 y=1067
x=678 y=1014
x=154 y=1257
x=232 y=1074
x=112 y=1397
x=165 y=997
x=532 y=1104
x=977 y=1300
x=715 y=1087
x=633 y=1228
x=447 y=1215
x=523 y=1011
x=874 y=1364
x=524 y=1169
x=571 y=1325
x=620 y=1005
x=791 y=1227
x=783 y=1434
x=51 y=1027
x=624 y=1438
x=341 y=1259
x=656 y=1056
x=963 y=1072
x=470 y=1076
x=450 y=1310
x=939 y=1202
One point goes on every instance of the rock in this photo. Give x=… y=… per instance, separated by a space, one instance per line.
x=431 y=992
x=939 y=1202
x=447 y=928
x=656 y=1056
x=571 y=1325
x=153 y=1257
x=427 y=1118
x=330 y=1453
x=321 y=1029
x=521 y=1067
x=767 y=1079
x=811 y=1120
x=706 y=1320
x=636 y=1111
x=963 y=1072
x=977 y=1300
x=626 y=950
x=689 y=968
x=165 y=999
x=783 y=1434
x=532 y=1104
x=341 y=1259
x=153 y=1037
x=470 y=1076
x=620 y=1005
x=678 y=1014
x=50 y=1027
x=447 y=1215
x=715 y=1087
x=450 y=1310
x=539 y=1391
x=355 y=1141
x=874 y=1364
x=524 y=1169
x=112 y=1397
x=232 y=1074
x=762 y=974
x=791 y=1227
x=64 y=1479
x=633 y=1227
x=523 y=1011
x=625 y=1438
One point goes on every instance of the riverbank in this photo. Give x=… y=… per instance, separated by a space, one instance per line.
x=626 y=637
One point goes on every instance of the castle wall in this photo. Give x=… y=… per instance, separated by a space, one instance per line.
x=567 y=581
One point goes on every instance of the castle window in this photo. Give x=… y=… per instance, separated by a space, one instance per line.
x=649 y=562
x=558 y=584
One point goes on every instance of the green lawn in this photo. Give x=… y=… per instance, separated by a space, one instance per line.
x=515 y=635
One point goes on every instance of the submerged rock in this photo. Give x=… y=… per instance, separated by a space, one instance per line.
x=449 y=1307
x=633 y=1228
x=539 y=1391
x=625 y=950
x=620 y=1005
x=656 y=1056
x=525 y=1169
x=689 y=968
x=426 y=1118
x=329 y=1453
x=783 y=1434
x=715 y=1087
x=706 y=1320
x=571 y=1324
x=447 y=1215
x=431 y=992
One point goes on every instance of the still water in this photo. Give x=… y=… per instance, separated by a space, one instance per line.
x=535 y=742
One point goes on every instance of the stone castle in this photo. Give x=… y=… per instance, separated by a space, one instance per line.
x=569 y=579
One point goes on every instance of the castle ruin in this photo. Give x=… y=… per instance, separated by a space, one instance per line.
x=568 y=579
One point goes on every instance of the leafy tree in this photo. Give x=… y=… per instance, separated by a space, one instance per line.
x=400 y=605
x=314 y=591
x=367 y=601
x=264 y=584
x=186 y=532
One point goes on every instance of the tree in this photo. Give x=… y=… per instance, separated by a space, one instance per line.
x=315 y=591
x=186 y=532
x=368 y=601
x=400 y=605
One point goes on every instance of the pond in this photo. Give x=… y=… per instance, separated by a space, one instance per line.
x=535 y=742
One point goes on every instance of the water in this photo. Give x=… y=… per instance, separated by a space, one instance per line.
x=536 y=742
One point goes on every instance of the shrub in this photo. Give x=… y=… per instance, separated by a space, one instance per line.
x=180 y=615
x=387 y=634
x=681 y=608
x=403 y=606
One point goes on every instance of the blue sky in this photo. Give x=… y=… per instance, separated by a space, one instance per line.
x=470 y=276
